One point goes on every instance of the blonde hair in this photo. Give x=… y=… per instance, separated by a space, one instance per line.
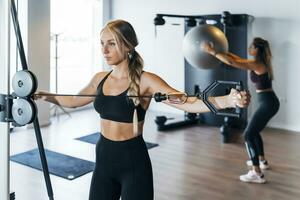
x=126 y=38
x=264 y=54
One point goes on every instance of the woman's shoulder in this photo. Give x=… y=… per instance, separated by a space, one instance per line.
x=148 y=75
x=151 y=79
x=99 y=76
x=102 y=74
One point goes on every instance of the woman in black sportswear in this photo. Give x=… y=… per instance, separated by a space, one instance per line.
x=123 y=168
x=261 y=74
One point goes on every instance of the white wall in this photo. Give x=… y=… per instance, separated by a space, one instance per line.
x=277 y=21
x=38 y=53
x=171 y=70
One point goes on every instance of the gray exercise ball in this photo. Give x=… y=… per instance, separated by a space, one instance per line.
x=191 y=46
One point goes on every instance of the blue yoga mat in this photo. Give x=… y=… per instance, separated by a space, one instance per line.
x=61 y=165
x=94 y=137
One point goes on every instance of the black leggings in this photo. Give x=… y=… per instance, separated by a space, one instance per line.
x=123 y=169
x=267 y=108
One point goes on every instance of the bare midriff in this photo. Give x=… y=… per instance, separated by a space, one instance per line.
x=119 y=131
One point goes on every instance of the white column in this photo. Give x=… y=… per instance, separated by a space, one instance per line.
x=38 y=48
x=106 y=17
x=169 y=64
x=106 y=11
x=4 y=89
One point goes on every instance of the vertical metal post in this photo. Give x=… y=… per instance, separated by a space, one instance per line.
x=56 y=71
x=4 y=89
x=56 y=60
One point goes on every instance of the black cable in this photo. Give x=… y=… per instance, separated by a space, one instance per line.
x=18 y=35
x=157 y=96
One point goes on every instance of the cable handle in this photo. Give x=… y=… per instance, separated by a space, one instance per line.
x=239 y=87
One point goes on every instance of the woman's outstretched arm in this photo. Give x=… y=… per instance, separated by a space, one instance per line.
x=74 y=101
x=231 y=59
x=194 y=105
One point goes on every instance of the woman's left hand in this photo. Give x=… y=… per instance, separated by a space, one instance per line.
x=239 y=98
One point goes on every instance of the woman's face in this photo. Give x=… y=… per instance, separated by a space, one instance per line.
x=110 y=50
x=252 y=50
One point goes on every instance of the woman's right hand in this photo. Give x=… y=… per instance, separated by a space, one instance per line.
x=39 y=95
x=239 y=98
x=46 y=96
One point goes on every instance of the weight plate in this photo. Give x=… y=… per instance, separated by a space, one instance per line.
x=24 y=83
x=23 y=111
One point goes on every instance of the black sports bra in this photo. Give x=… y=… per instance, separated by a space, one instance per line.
x=261 y=81
x=116 y=108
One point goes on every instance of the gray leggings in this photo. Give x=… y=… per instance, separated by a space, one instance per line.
x=267 y=108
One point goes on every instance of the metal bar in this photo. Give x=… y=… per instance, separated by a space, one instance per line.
x=181 y=16
x=228 y=114
x=229 y=82
x=211 y=107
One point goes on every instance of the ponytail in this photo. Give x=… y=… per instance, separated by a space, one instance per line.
x=135 y=66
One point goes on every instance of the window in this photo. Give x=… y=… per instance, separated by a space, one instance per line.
x=75 y=45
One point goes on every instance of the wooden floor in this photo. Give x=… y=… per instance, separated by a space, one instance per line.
x=189 y=164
